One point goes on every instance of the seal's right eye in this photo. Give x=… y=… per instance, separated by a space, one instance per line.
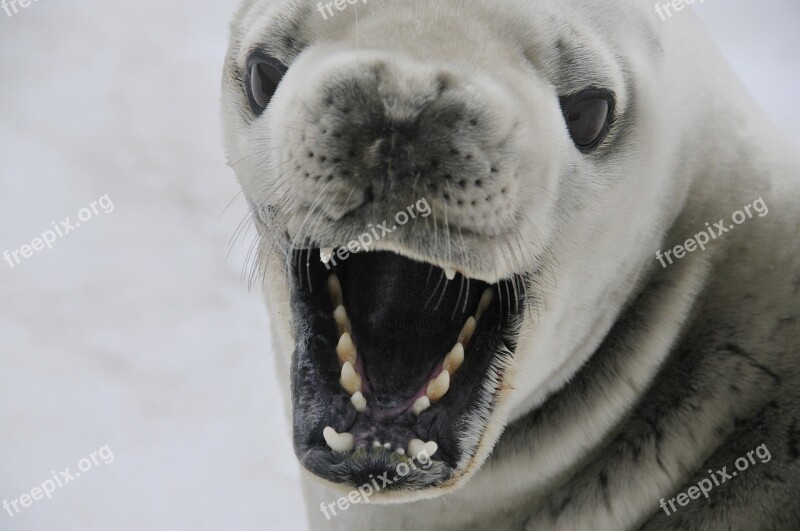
x=263 y=76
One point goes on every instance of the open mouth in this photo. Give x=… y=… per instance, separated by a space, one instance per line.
x=398 y=366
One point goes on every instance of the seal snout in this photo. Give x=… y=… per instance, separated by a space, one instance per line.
x=377 y=131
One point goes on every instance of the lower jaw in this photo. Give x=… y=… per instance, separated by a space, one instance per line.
x=413 y=476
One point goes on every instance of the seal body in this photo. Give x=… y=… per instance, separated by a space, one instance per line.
x=653 y=376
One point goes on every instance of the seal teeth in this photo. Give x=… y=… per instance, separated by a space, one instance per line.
x=352 y=382
x=417 y=447
x=338 y=442
x=439 y=386
x=346 y=349
x=350 y=379
x=467 y=331
x=454 y=359
x=335 y=291
x=326 y=254
x=342 y=321
x=421 y=404
x=359 y=402
x=483 y=305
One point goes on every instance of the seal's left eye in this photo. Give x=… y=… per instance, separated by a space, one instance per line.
x=263 y=76
x=588 y=115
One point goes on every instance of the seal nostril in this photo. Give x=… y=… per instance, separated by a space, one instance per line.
x=479 y=183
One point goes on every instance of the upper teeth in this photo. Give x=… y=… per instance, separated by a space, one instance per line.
x=483 y=305
x=450 y=273
x=325 y=254
x=335 y=291
x=342 y=321
x=467 y=331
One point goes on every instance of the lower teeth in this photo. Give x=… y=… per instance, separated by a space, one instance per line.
x=345 y=442
x=338 y=442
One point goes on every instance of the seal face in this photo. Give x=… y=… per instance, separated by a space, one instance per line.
x=465 y=145
x=460 y=205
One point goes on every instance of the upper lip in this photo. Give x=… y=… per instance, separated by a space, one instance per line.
x=416 y=389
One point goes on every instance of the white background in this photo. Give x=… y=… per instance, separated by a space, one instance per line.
x=135 y=331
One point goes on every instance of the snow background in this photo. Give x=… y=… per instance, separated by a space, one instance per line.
x=136 y=331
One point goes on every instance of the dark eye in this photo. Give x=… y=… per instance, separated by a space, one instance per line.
x=263 y=76
x=588 y=115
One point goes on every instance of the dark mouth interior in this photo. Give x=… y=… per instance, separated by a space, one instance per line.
x=375 y=333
